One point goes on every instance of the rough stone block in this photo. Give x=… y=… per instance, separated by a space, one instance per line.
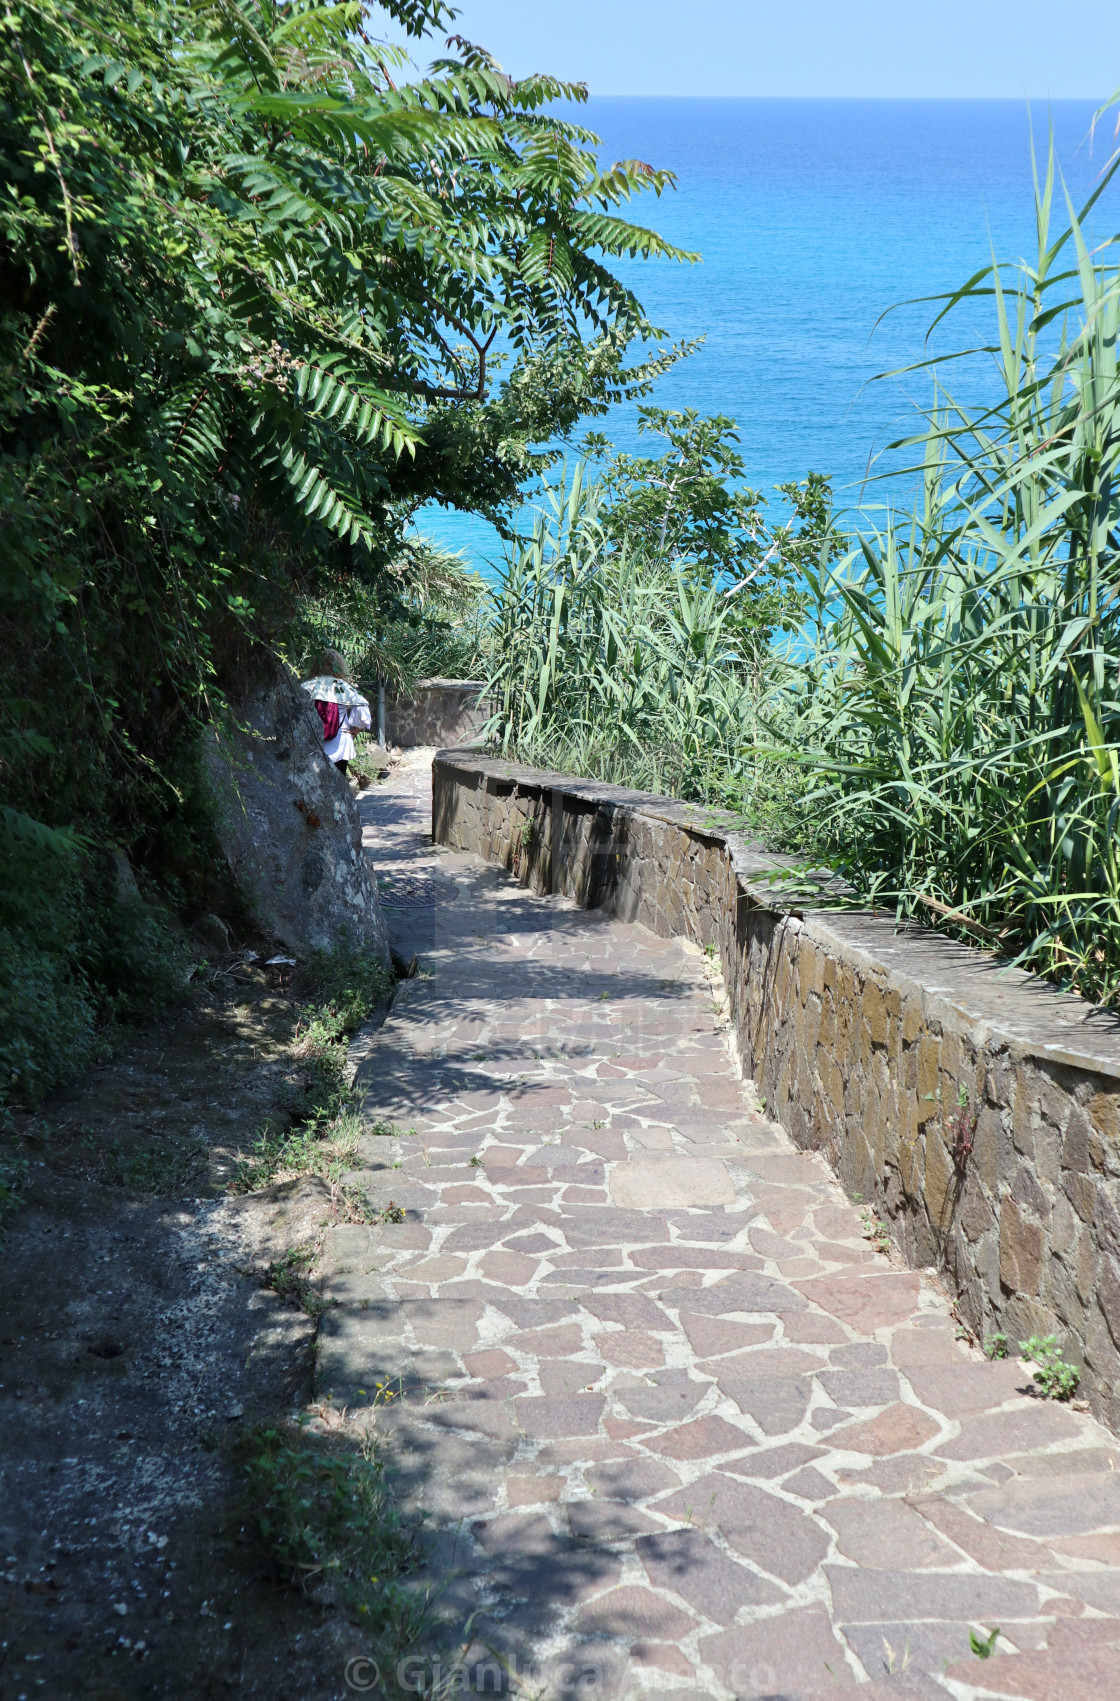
x=940 y=1179
x=875 y=1012
x=1106 y=1218
x=929 y=1078
x=1026 y=1192
x=1021 y=1246
x=1024 y=1115
x=1108 y=1296
x=975 y=1214
x=1081 y=1191
x=911 y=1159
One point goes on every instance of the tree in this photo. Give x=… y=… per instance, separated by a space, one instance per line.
x=690 y=508
x=259 y=297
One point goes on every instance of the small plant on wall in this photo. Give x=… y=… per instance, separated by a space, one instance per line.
x=523 y=843
x=1056 y=1379
x=962 y=1129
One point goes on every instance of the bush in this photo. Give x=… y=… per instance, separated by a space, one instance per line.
x=341 y=987
x=134 y=959
x=73 y=960
x=1056 y=1379
x=47 y=1020
x=432 y=622
x=640 y=666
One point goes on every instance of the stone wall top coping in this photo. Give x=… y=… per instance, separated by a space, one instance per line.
x=450 y=685
x=961 y=986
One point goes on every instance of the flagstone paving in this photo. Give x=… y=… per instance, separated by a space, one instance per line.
x=678 y=1427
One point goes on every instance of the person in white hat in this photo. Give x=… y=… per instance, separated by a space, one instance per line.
x=341 y=719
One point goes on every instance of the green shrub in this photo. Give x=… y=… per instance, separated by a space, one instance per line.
x=73 y=960
x=633 y=632
x=134 y=959
x=340 y=988
x=431 y=621
x=48 y=1028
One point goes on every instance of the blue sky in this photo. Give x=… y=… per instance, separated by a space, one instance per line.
x=975 y=48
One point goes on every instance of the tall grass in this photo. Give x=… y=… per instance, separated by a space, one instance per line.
x=615 y=663
x=958 y=702
x=952 y=702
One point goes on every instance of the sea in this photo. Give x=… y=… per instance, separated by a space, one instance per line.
x=827 y=230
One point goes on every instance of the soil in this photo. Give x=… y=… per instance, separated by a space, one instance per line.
x=138 y=1350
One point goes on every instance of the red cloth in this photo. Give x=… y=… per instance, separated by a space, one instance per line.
x=330 y=715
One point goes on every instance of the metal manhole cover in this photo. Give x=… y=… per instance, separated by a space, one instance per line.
x=412 y=891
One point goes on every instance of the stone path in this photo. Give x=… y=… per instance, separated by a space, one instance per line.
x=680 y=1429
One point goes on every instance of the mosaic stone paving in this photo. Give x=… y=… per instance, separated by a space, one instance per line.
x=679 y=1428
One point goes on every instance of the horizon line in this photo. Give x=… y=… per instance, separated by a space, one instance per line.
x=991 y=100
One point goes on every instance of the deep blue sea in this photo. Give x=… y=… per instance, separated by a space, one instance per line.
x=813 y=217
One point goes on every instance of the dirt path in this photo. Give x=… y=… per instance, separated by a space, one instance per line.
x=137 y=1349
x=677 y=1425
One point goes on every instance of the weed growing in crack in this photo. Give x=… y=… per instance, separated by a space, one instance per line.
x=962 y=1129
x=896 y=1666
x=983 y=1647
x=996 y=1346
x=352 y=1205
x=1056 y=1379
x=290 y=1277
x=876 y=1230
x=342 y=986
x=325 y=1148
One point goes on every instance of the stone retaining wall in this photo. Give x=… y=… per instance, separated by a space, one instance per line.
x=440 y=711
x=976 y=1109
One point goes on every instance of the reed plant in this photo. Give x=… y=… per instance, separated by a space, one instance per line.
x=617 y=662
x=957 y=699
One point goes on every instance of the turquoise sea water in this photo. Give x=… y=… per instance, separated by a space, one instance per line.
x=813 y=218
